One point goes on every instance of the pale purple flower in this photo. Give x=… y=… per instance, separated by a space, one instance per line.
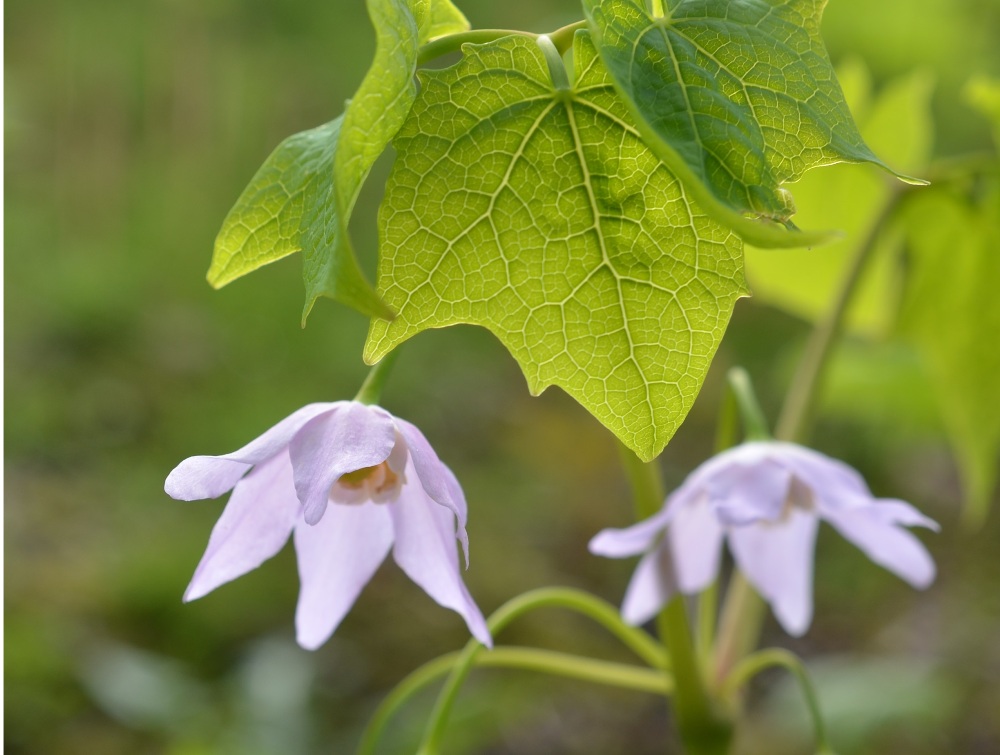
x=349 y=482
x=766 y=499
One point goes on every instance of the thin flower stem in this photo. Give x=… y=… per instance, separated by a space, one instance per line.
x=741 y=388
x=594 y=608
x=796 y=412
x=703 y=731
x=371 y=390
x=526 y=659
x=708 y=604
x=752 y=665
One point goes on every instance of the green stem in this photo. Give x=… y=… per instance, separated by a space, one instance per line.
x=453 y=42
x=557 y=69
x=754 y=422
x=594 y=608
x=797 y=410
x=527 y=659
x=562 y=38
x=371 y=390
x=754 y=664
x=702 y=730
x=739 y=627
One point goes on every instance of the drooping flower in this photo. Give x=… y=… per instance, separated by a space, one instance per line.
x=349 y=482
x=766 y=499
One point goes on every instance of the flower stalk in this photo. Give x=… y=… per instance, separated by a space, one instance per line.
x=703 y=731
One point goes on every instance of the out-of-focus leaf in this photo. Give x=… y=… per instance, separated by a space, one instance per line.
x=737 y=98
x=897 y=124
x=952 y=315
x=983 y=93
x=566 y=237
x=860 y=699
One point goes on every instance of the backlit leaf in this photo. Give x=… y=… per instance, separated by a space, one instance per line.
x=853 y=198
x=738 y=98
x=289 y=207
x=538 y=212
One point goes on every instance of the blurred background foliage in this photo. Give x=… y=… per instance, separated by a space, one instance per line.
x=131 y=128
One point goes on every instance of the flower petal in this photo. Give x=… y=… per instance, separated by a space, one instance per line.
x=430 y=470
x=831 y=480
x=745 y=493
x=696 y=539
x=425 y=549
x=778 y=560
x=884 y=542
x=210 y=476
x=631 y=541
x=253 y=527
x=651 y=586
x=337 y=557
x=353 y=437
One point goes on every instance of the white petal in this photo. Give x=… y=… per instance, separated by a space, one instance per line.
x=831 y=481
x=696 y=538
x=337 y=557
x=352 y=438
x=651 y=586
x=884 y=542
x=253 y=527
x=425 y=549
x=894 y=511
x=777 y=558
x=631 y=541
x=745 y=493
x=210 y=476
x=430 y=470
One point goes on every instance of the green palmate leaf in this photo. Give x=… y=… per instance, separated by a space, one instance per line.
x=289 y=207
x=373 y=117
x=854 y=198
x=531 y=206
x=737 y=98
x=952 y=315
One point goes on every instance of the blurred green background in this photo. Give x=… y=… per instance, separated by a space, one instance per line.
x=131 y=128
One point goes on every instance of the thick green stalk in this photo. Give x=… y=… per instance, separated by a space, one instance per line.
x=703 y=731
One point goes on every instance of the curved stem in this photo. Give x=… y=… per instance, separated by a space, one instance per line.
x=600 y=611
x=754 y=664
x=562 y=38
x=371 y=389
x=526 y=659
x=453 y=42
